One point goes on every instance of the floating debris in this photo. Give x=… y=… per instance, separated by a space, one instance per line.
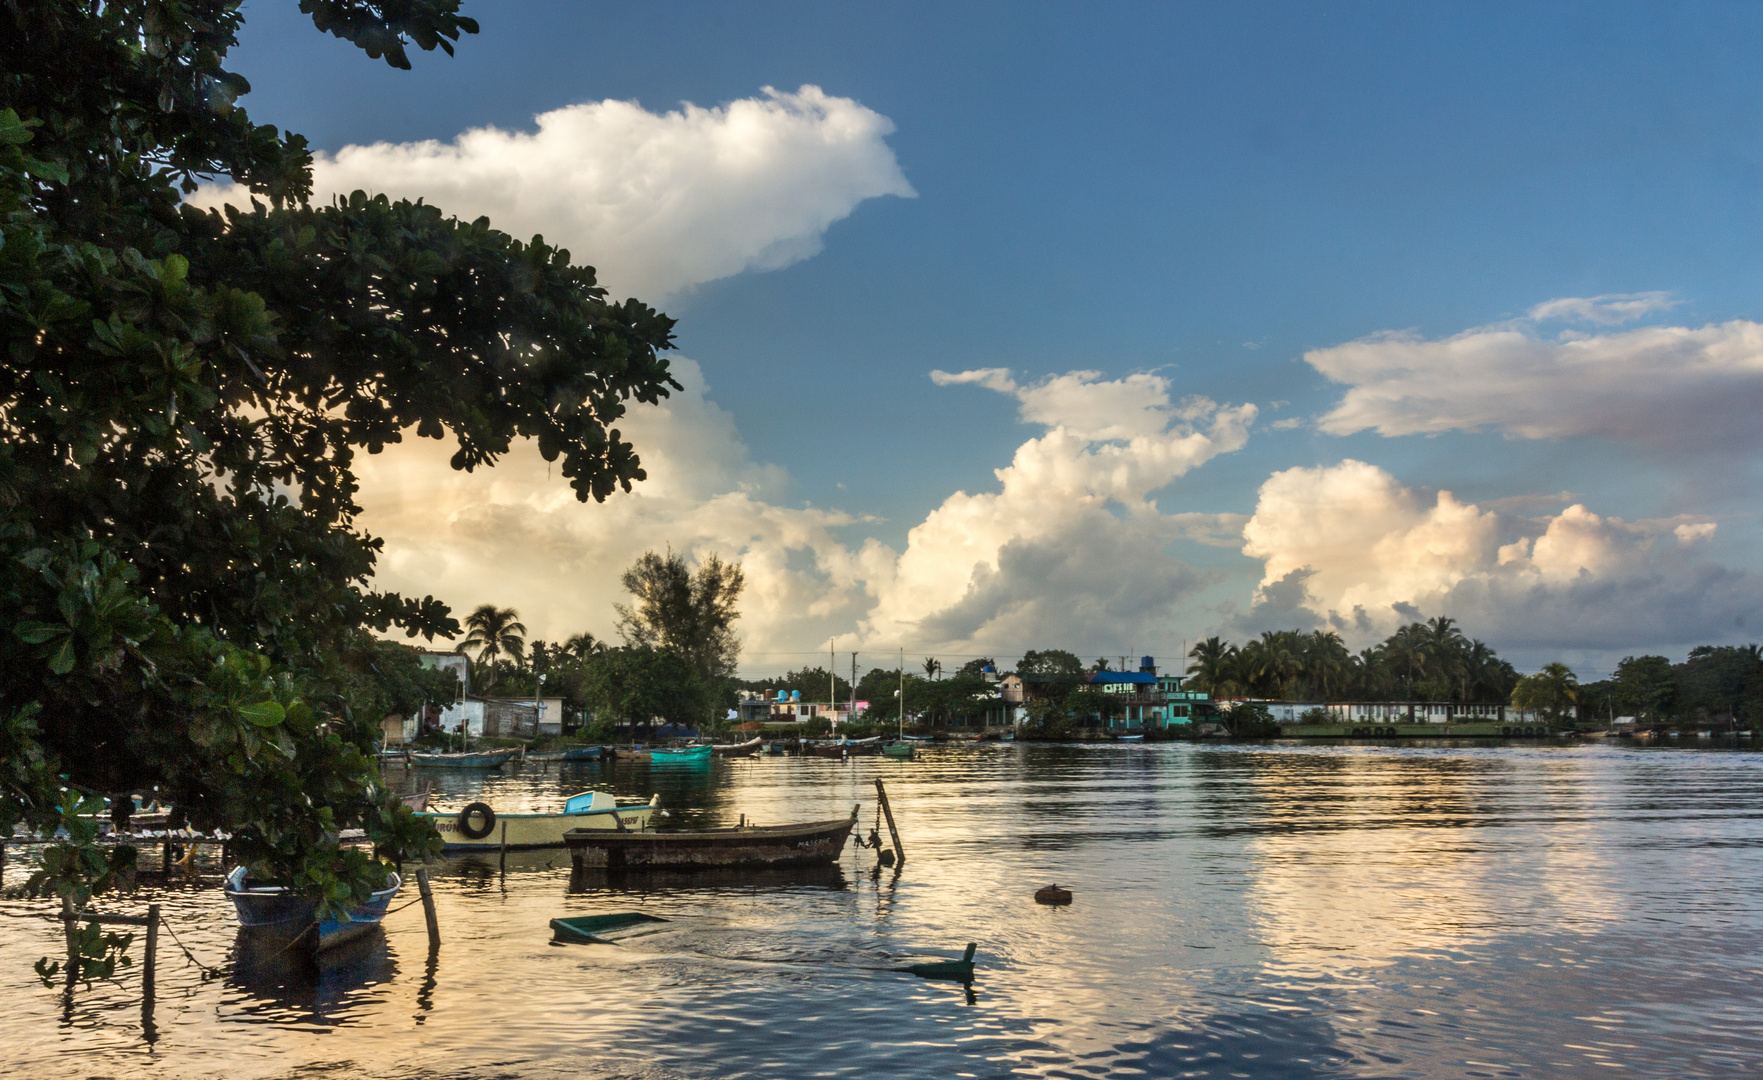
x=1052 y=894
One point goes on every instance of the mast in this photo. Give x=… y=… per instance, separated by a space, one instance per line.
x=832 y=681
x=902 y=691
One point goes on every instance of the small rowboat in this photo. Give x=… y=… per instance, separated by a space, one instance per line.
x=685 y=755
x=746 y=749
x=847 y=748
x=592 y=929
x=487 y=760
x=279 y=911
x=900 y=750
x=477 y=827
x=806 y=844
x=574 y=753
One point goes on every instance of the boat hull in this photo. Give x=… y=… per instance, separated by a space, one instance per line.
x=746 y=749
x=461 y=761
x=808 y=844
x=844 y=750
x=275 y=911
x=526 y=831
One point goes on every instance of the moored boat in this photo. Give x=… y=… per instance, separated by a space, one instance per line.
x=493 y=759
x=278 y=910
x=846 y=748
x=596 y=929
x=683 y=755
x=899 y=750
x=805 y=844
x=746 y=749
x=573 y=753
x=477 y=827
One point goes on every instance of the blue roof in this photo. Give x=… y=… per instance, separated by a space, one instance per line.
x=1123 y=677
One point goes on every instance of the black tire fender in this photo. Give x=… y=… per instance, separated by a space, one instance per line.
x=477 y=809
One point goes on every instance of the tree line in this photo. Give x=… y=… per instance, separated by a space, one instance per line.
x=677 y=661
x=1423 y=661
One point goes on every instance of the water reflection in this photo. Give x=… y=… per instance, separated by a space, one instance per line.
x=274 y=983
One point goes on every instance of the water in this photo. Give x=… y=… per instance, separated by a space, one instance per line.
x=1269 y=910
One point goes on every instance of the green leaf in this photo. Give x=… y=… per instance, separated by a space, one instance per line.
x=61 y=661
x=264 y=714
x=35 y=633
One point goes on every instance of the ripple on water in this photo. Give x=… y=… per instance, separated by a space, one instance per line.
x=1271 y=910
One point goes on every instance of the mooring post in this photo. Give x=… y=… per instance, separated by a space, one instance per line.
x=881 y=795
x=68 y=919
x=428 y=906
x=504 y=845
x=151 y=957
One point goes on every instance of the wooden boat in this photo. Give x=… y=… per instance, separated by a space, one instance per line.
x=418 y=802
x=779 y=748
x=806 y=844
x=479 y=828
x=277 y=910
x=492 y=759
x=574 y=753
x=847 y=748
x=899 y=750
x=1129 y=738
x=592 y=929
x=685 y=755
x=746 y=749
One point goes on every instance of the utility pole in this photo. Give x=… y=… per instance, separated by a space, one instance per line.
x=853 y=686
x=832 y=681
x=902 y=690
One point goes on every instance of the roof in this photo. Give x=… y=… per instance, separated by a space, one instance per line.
x=1142 y=677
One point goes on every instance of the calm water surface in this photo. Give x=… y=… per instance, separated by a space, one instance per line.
x=1265 y=910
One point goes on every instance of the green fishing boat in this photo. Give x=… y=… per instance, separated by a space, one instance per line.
x=960 y=970
x=901 y=750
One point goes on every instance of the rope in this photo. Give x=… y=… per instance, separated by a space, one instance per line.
x=207 y=972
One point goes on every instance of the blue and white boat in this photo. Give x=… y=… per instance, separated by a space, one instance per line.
x=278 y=910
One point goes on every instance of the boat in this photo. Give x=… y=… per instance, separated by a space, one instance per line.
x=479 y=828
x=806 y=844
x=592 y=929
x=960 y=970
x=846 y=748
x=746 y=749
x=489 y=759
x=900 y=750
x=1129 y=738
x=278 y=910
x=683 y=755
x=574 y=753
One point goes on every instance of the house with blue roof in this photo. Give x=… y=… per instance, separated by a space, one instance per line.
x=1143 y=698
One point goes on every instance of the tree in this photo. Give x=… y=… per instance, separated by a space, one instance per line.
x=642 y=684
x=187 y=600
x=496 y=633
x=1550 y=693
x=933 y=668
x=1645 y=684
x=1211 y=667
x=583 y=645
x=977 y=667
x=691 y=613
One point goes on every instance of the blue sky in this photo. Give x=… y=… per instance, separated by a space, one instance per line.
x=1198 y=194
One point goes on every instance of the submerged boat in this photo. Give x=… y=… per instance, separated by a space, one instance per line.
x=806 y=844
x=492 y=759
x=477 y=827
x=278 y=910
x=595 y=929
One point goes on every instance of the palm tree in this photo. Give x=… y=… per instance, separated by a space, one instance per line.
x=1212 y=665
x=583 y=645
x=496 y=633
x=1326 y=661
x=932 y=667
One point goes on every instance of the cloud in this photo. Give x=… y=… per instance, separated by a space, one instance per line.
x=658 y=202
x=1685 y=390
x=1349 y=546
x=515 y=535
x=1611 y=309
x=1071 y=547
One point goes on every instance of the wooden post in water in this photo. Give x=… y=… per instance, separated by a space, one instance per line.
x=68 y=917
x=881 y=794
x=152 y=955
x=504 y=845
x=428 y=907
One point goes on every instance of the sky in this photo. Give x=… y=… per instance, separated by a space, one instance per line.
x=1109 y=327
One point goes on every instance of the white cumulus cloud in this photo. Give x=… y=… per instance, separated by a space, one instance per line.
x=1071 y=547
x=1676 y=388
x=1350 y=546
x=657 y=202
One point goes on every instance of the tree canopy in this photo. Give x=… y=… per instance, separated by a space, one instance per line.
x=1430 y=661
x=692 y=613
x=183 y=392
